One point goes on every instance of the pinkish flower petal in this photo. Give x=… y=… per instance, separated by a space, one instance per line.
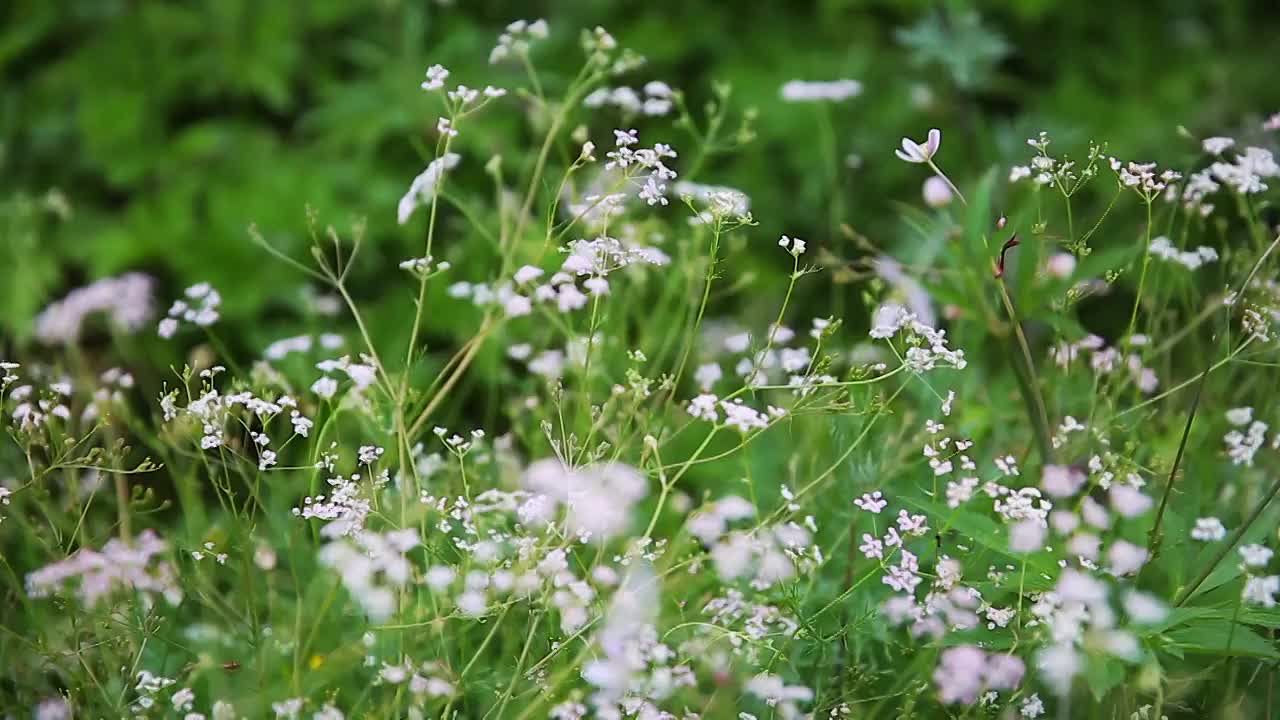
x=935 y=139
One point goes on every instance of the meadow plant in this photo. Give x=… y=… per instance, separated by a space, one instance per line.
x=957 y=502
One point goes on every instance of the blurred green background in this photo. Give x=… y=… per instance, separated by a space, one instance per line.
x=149 y=135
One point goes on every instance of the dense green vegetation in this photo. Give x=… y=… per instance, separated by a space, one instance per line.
x=566 y=430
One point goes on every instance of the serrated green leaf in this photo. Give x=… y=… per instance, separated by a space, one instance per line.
x=1219 y=637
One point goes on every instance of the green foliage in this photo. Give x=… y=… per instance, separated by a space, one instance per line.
x=170 y=127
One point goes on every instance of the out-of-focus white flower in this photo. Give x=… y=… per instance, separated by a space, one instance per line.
x=937 y=194
x=964 y=671
x=1261 y=590
x=821 y=91
x=625 y=636
x=1129 y=501
x=1060 y=265
x=517 y=39
x=54 y=708
x=1163 y=248
x=124 y=300
x=911 y=293
x=372 y=566
x=1217 y=145
x=1255 y=556
x=597 y=498
x=136 y=565
x=1208 y=529
x=1125 y=558
x=1144 y=608
x=423 y=187
x=1240 y=416
x=1027 y=536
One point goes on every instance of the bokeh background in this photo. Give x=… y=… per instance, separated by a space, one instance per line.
x=149 y=135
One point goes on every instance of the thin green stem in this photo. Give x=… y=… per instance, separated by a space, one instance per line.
x=937 y=171
x=1153 y=540
x=707 y=282
x=1142 y=276
x=1029 y=384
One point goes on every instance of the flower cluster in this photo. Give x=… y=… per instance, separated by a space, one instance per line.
x=362 y=375
x=1045 y=170
x=200 y=308
x=1104 y=360
x=798 y=368
x=33 y=410
x=926 y=346
x=596 y=499
x=1259 y=588
x=346 y=506
x=372 y=567
x=1143 y=178
x=219 y=416
x=518 y=37
x=1243 y=444
x=284 y=347
x=1163 y=248
x=718 y=203
x=737 y=414
x=137 y=566
x=654 y=100
x=124 y=300
x=766 y=556
x=1247 y=173
x=634 y=671
x=645 y=167
x=590 y=261
x=1079 y=623
x=965 y=671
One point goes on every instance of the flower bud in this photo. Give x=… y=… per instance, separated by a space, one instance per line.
x=1060 y=265
x=936 y=192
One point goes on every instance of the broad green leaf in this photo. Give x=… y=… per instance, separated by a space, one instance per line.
x=1218 y=637
x=1102 y=674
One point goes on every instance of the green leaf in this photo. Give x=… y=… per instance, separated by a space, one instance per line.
x=1181 y=616
x=1219 y=637
x=1265 y=617
x=958 y=41
x=1102 y=674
